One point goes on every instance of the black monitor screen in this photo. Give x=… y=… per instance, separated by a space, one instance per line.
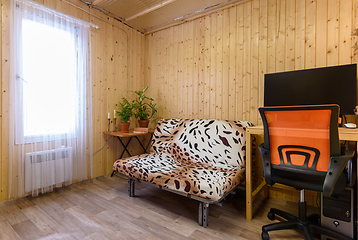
x=316 y=86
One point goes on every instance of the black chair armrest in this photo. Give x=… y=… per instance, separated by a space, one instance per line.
x=266 y=160
x=336 y=167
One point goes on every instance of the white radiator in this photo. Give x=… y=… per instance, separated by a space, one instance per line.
x=46 y=168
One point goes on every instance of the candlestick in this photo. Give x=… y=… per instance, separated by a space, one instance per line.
x=114 y=114
x=115 y=124
x=109 y=124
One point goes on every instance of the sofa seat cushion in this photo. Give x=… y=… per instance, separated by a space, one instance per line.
x=188 y=176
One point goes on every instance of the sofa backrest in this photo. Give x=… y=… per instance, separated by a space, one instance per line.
x=215 y=142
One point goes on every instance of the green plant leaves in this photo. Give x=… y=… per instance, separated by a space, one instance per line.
x=144 y=110
x=125 y=110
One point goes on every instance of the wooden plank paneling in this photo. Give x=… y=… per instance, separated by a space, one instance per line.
x=254 y=95
x=180 y=70
x=207 y=57
x=262 y=49
x=195 y=84
x=333 y=32
x=225 y=65
x=213 y=57
x=219 y=65
x=345 y=28
x=321 y=34
x=2 y=164
x=280 y=36
x=271 y=36
x=300 y=35
x=170 y=75
x=191 y=97
x=5 y=87
x=290 y=36
x=175 y=99
x=239 y=55
x=248 y=40
x=246 y=65
x=201 y=67
x=310 y=34
x=232 y=63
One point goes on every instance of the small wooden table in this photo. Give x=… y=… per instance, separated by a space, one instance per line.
x=131 y=134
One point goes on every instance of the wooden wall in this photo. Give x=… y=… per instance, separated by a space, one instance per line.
x=110 y=48
x=214 y=66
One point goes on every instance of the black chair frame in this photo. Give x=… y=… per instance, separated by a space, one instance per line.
x=295 y=176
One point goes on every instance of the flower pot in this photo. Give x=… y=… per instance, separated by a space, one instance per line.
x=143 y=123
x=124 y=127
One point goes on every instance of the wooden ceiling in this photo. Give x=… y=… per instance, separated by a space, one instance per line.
x=149 y=16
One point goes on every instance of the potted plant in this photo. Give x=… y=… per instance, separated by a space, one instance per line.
x=125 y=113
x=144 y=110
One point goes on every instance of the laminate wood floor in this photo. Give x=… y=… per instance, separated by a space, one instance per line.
x=101 y=209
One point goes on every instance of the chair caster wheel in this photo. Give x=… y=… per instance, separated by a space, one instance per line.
x=265 y=236
x=271 y=216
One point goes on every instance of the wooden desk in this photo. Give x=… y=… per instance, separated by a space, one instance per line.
x=345 y=134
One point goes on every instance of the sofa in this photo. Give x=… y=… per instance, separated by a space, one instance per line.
x=197 y=158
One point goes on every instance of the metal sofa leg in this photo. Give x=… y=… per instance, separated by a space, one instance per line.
x=131 y=183
x=203 y=214
x=200 y=220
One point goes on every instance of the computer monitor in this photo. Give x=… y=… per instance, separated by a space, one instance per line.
x=337 y=85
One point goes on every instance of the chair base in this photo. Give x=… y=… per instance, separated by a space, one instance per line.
x=293 y=222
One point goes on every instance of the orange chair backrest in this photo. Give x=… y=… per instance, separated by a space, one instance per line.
x=299 y=135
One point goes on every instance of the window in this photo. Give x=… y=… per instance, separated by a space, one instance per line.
x=48 y=81
x=50 y=100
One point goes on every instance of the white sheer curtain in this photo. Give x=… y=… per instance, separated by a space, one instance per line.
x=50 y=99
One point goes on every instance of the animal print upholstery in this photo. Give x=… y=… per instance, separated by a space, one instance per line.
x=205 y=158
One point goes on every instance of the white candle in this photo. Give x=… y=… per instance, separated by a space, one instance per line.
x=109 y=116
x=114 y=113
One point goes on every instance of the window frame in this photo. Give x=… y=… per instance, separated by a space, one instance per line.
x=20 y=138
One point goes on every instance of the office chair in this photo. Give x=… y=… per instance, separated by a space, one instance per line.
x=301 y=149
